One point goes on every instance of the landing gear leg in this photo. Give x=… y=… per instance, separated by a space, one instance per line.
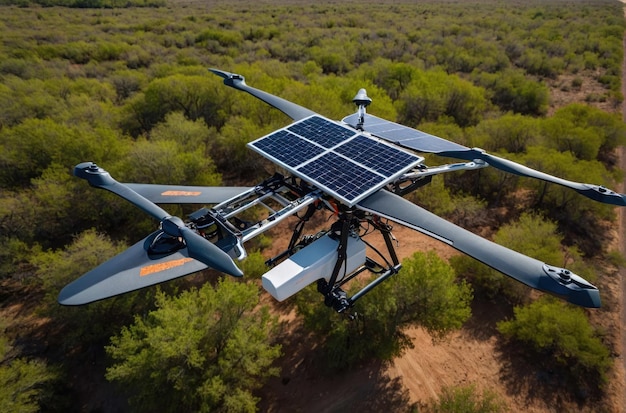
x=334 y=296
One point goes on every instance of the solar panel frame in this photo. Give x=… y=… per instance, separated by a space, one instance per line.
x=343 y=162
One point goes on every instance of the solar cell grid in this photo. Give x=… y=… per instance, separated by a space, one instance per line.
x=382 y=158
x=340 y=175
x=288 y=148
x=347 y=165
x=321 y=131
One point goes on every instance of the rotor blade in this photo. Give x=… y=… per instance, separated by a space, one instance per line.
x=99 y=178
x=205 y=251
x=532 y=272
x=403 y=135
x=596 y=192
x=199 y=248
x=179 y=194
x=293 y=110
x=131 y=270
x=423 y=142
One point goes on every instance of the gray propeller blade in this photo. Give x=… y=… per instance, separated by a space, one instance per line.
x=403 y=135
x=199 y=248
x=595 y=192
x=293 y=110
x=532 y=272
x=179 y=194
x=423 y=142
x=130 y=270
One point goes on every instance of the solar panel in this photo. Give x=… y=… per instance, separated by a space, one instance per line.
x=321 y=131
x=288 y=148
x=405 y=136
x=345 y=163
x=341 y=176
x=378 y=156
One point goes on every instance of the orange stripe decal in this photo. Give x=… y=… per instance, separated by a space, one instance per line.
x=163 y=266
x=180 y=193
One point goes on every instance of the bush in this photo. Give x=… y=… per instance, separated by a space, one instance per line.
x=424 y=292
x=207 y=349
x=466 y=399
x=23 y=383
x=432 y=95
x=559 y=336
x=513 y=91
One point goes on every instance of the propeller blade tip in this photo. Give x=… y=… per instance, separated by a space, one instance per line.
x=93 y=174
x=229 y=78
x=586 y=298
x=571 y=287
x=218 y=72
x=68 y=298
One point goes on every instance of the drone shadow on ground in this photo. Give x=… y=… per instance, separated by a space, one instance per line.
x=304 y=386
x=486 y=313
x=532 y=377
x=537 y=378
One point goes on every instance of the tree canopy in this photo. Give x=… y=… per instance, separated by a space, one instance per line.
x=562 y=332
x=206 y=348
x=22 y=381
x=425 y=293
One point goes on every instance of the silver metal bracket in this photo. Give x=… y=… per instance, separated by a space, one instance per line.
x=275 y=195
x=422 y=175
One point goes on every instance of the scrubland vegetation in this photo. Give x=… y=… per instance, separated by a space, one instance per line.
x=127 y=87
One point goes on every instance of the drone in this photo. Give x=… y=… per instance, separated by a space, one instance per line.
x=357 y=170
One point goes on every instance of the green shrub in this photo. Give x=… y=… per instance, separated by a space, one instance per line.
x=467 y=399
x=425 y=292
x=558 y=335
x=207 y=349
